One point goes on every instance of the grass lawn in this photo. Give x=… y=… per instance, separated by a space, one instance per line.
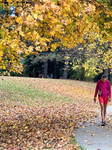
x=43 y=113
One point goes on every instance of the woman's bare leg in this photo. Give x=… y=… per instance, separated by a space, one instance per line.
x=102 y=111
x=105 y=108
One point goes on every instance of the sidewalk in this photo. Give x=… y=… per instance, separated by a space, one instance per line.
x=92 y=136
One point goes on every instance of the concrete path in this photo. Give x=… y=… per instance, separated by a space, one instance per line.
x=92 y=136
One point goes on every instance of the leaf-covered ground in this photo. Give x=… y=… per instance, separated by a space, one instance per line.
x=43 y=113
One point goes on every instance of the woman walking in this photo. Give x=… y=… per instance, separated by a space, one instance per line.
x=103 y=89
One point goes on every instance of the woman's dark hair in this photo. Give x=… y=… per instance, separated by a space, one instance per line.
x=104 y=76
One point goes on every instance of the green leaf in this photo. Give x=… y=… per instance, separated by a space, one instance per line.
x=90 y=18
x=64 y=43
x=73 y=24
x=5 y=50
x=56 y=1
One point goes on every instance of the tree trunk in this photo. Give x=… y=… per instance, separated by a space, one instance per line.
x=65 y=73
x=54 y=72
x=105 y=71
x=82 y=74
x=45 y=69
x=109 y=75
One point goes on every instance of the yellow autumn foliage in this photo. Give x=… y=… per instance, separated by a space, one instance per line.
x=39 y=22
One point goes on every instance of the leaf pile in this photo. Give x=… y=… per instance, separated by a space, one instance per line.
x=41 y=127
x=23 y=126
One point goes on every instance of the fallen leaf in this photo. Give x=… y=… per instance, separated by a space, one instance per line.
x=89 y=143
x=93 y=135
x=85 y=140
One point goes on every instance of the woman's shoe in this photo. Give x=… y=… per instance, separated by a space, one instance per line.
x=103 y=124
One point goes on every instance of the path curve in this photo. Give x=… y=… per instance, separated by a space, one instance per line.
x=92 y=136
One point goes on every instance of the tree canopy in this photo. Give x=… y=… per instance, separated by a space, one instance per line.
x=38 y=22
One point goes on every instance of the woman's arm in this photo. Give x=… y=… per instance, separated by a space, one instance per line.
x=109 y=89
x=96 y=90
